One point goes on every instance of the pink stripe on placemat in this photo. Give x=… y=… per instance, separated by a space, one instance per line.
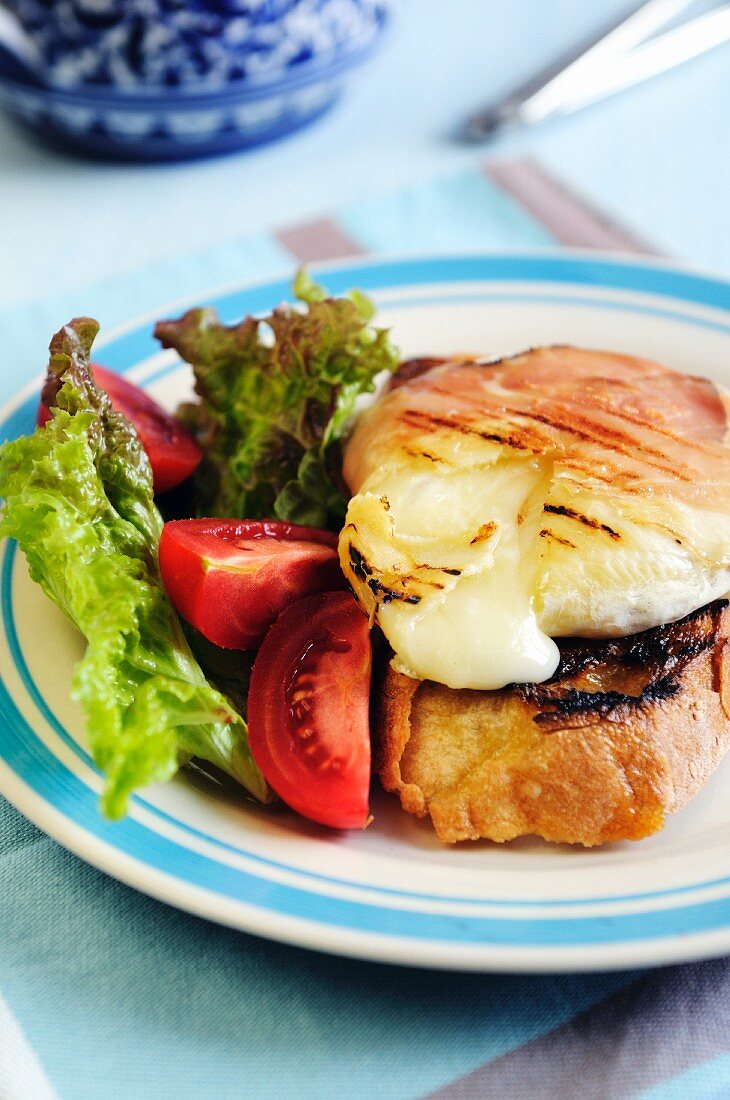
x=320 y=239
x=570 y=218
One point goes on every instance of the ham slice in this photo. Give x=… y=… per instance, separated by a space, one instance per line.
x=613 y=422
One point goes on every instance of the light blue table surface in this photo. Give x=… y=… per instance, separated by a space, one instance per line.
x=657 y=157
x=174 y=1007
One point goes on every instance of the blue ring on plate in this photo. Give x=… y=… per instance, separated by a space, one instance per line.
x=26 y=412
x=131 y=347
x=292 y=901
x=38 y=768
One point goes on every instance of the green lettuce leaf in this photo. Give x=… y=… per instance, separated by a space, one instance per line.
x=276 y=396
x=78 y=499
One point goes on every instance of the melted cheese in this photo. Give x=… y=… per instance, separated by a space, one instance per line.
x=473 y=555
x=475 y=619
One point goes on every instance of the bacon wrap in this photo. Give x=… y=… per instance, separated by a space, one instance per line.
x=616 y=422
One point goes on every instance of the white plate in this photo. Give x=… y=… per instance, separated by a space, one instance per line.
x=392 y=892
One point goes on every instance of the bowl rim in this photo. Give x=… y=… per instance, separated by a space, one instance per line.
x=326 y=65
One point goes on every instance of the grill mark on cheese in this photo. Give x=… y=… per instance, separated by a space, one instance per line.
x=485 y=532
x=422 y=454
x=362 y=569
x=546 y=533
x=438 y=569
x=587 y=521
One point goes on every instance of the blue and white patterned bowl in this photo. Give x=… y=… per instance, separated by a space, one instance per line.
x=167 y=80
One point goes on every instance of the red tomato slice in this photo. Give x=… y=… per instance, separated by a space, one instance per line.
x=308 y=709
x=172 y=451
x=231 y=578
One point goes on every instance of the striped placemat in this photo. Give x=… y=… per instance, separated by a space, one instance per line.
x=502 y=205
x=109 y=995
x=567 y=218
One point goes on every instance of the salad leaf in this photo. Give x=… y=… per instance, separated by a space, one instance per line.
x=229 y=670
x=276 y=395
x=78 y=498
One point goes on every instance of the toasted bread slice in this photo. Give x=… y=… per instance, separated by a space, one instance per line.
x=626 y=732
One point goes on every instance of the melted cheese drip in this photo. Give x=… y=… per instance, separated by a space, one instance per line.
x=475 y=622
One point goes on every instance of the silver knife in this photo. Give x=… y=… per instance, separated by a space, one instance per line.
x=608 y=63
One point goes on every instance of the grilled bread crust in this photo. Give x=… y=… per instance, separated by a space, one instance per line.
x=626 y=732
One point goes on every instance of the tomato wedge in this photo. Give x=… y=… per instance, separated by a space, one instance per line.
x=172 y=451
x=308 y=709
x=231 y=578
